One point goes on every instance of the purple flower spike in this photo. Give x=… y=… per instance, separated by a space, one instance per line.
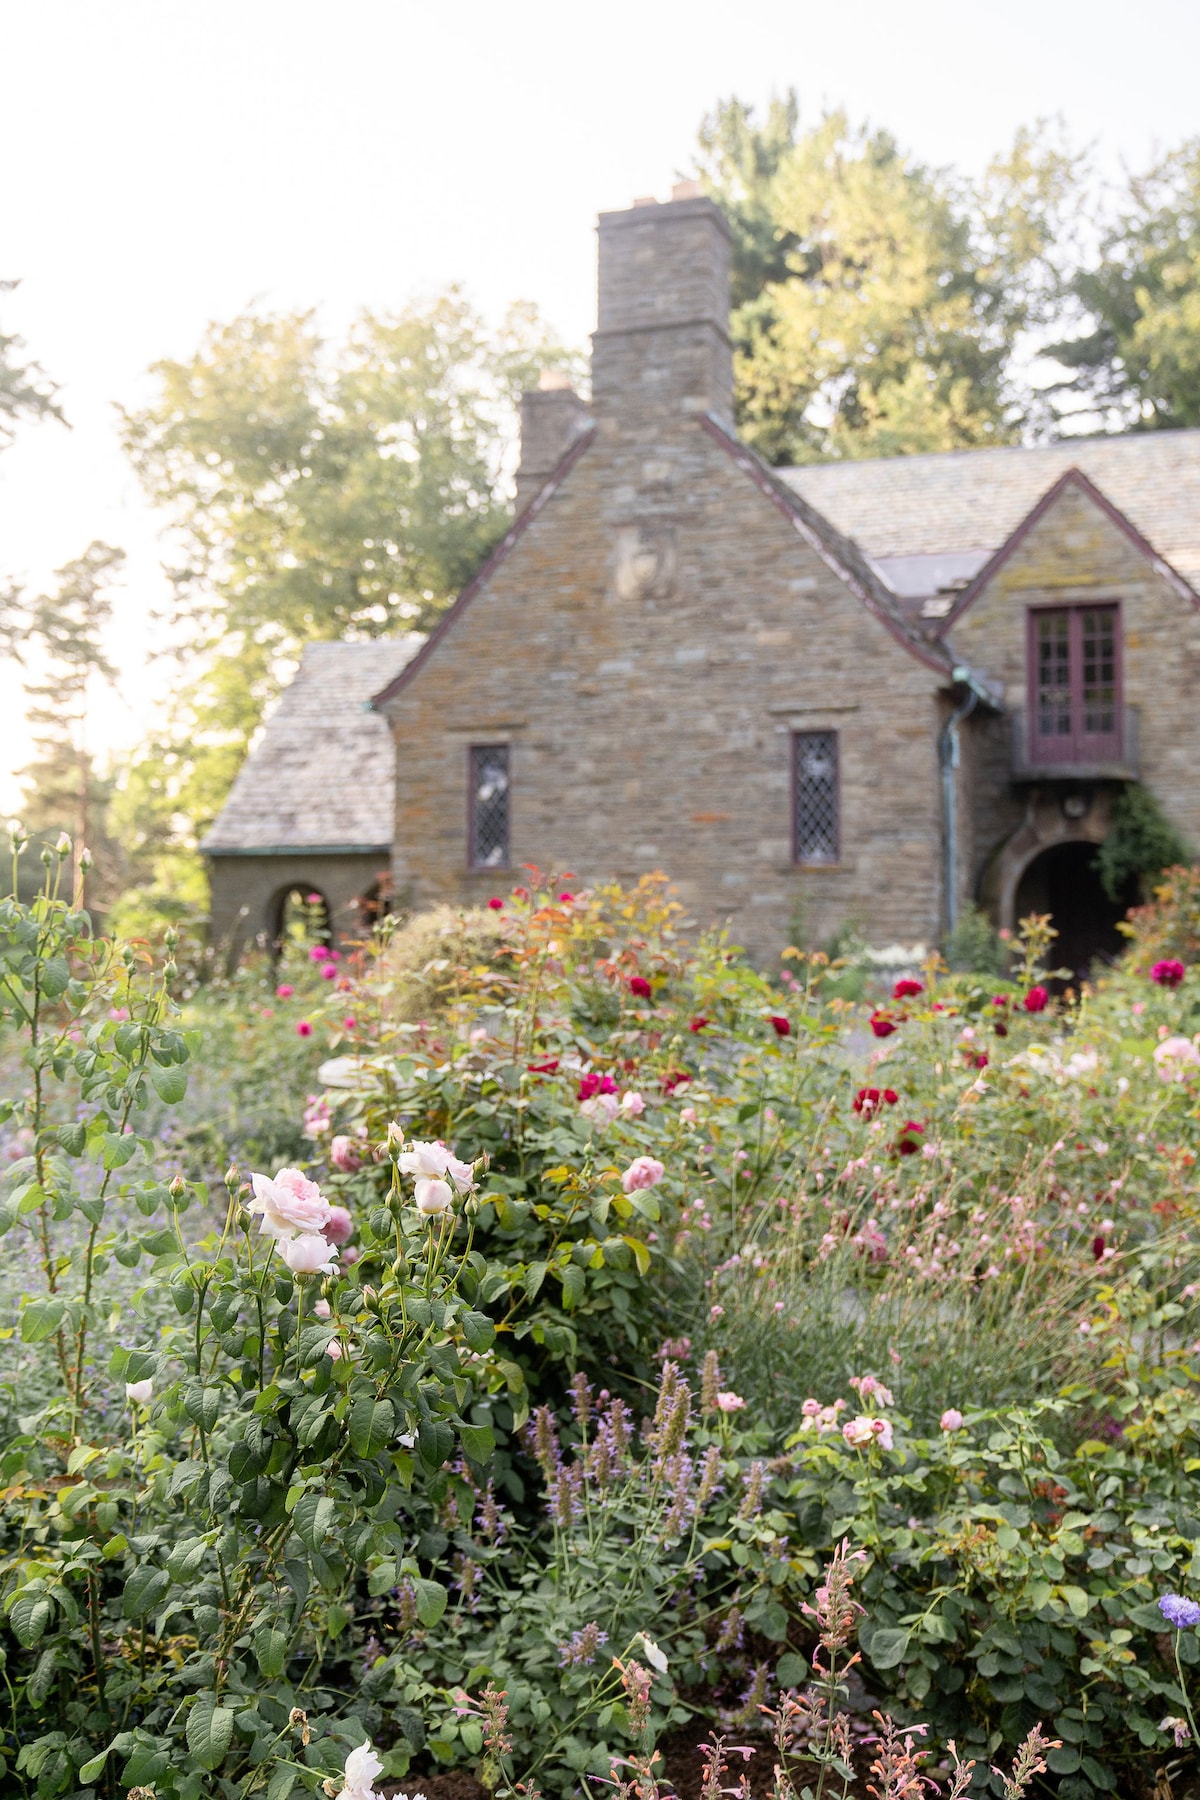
x=1180 y=1613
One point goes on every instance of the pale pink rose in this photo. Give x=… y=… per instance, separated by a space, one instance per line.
x=425 y=1159
x=643 y=1172
x=601 y=1107
x=339 y=1227
x=1138 y=1008
x=345 y=1153
x=288 y=1203
x=883 y=1431
x=349 y=1255
x=1175 y=1057
x=729 y=1402
x=309 y=1254
x=687 y=1115
x=321 y=1309
x=632 y=1104
x=811 y=1409
x=859 y=1431
x=433 y=1196
x=334 y=1351
x=952 y=1419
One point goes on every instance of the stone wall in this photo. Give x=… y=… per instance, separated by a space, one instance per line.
x=649 y=702
x=247 y=891
x=1077 y=552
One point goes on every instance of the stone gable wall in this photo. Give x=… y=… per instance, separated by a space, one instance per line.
x=1076 y=553
x=649 y=704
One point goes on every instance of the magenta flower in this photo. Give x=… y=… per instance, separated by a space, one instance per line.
x=329 y=972
x=496 y=904
x=303 y=1028
x=1168 y=974
x=881 y=1025
x=782 y=1026
x=1035 y=1000
x=640 y=986
x=907 y=989
x=284 y=991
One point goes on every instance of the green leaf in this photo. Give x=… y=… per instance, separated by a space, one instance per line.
x=209 y=1730
x=479 y=1441
x=185 y=1558
x=29 y=1615
x=270 y=1651
x=641 y=1254
x=535 y=1274
x=90 y=1770
x=372 y=1425
x=791 y=1670
x=435 y=1439
x=1077 y=1600
x=887 y=1648
x=170 y=1084
x=478 y=1330
x=574 y=1286
x=119 y=1147
x=73 y=1140
x=144 y=1590
x=313 y=1518
x=431 y=1602
x=54 y=975
x=42 y=1318
x=281 y=1783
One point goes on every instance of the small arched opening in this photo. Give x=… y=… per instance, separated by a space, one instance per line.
x=297 y=915
x=1062 y=880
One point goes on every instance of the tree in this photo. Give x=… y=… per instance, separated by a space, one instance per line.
x=881 y=302
x=25 y=390
x=316 y=490
x=63 y=789
x=1134 y=361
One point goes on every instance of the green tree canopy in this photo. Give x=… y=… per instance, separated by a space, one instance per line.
x=1134 y=362
x=881 y=304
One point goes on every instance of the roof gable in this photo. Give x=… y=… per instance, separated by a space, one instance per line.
x=1071 y=478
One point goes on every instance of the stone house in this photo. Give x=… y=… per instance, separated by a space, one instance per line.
x=861 y=693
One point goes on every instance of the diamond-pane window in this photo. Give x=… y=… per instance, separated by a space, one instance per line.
x=815 y=790
x=488 y=806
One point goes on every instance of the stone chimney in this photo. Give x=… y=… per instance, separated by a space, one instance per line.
x=552 y=417
x=662 y=344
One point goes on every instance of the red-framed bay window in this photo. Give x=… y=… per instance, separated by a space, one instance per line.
x=1074 y=683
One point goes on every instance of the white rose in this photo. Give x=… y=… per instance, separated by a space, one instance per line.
x=433 y=1196
x=654 y=1656
x=287 y=1203
x=139 y=1391
x=427 y=1159
x=309 y=1254
x=362 y=1767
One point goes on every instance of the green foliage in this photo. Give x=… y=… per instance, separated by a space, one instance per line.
x=1140 y=844
x=1134 y=356
x=25 y=391
x=974 y=946
x=881 y=302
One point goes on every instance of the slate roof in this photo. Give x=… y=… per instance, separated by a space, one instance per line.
x=929 y=523
x=322 y=774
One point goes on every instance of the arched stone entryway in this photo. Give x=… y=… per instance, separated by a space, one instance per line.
x=297 y=910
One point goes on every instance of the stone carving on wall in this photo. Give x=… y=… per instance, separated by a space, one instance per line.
x=646 y=561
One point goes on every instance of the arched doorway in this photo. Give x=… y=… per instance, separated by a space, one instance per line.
x=298 y=914
x=1062 y=881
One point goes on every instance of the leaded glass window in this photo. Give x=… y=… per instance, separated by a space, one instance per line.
x=488 y=806
x=815 y=792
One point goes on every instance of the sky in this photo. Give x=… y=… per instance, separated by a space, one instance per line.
x=167 y=165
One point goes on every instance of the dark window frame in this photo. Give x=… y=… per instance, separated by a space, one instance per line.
x=1075 y=740
x=475 y=755
x=801 y=860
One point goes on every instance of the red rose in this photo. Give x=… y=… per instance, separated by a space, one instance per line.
x=1000 y=1028
x=1098 y=1247
x=697 y=1024
x=591 y=1084
x=675 y=1078
x=906 y=988
x=640 y=986
x=496 y=904
x=907 y=1144
x=1035 y=1000
x=881 y=1025
x=866 y=1100
x=783 y=1027
x=890 y=1096
x=1168 y=974
x=545 y=1068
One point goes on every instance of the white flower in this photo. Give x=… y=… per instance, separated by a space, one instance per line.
x=425 y=1159
x=289 y=1202
x=859 y=1431
x=139 y=1392
x=309 y=1254
x=654 y=1655
x=362 y=1767
x=601 y=1107
x=433 y=1196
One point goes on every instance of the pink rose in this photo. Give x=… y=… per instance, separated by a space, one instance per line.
x=1168 y=973
x=728 y=1402
x=1175 y=1058
x=632 y=1104
x=1035 y=1000
x=433 y=1196
x=860 y=1431
x=309 y=1254
x=952 y=1419
x=643 y=1172
x=303 y=1028
x=322 y=1309
x=344 y=1154
x=329 y=972
x=334 y=1351
x=339 y=1227
x=687 y=1115
x=284 y=991
x=288 y=1204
